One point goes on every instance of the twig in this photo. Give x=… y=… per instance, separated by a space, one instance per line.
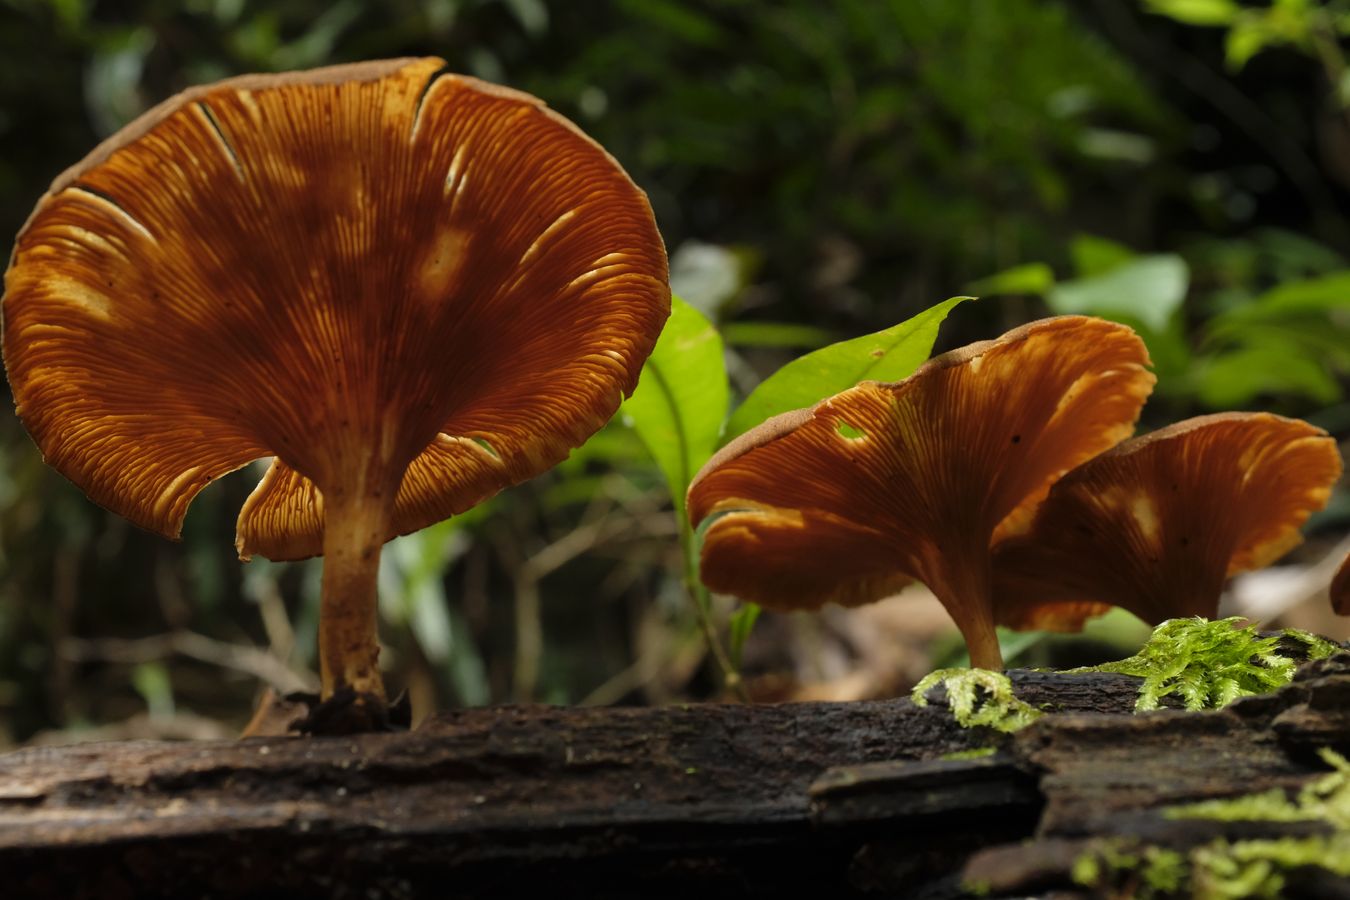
x=240 y=657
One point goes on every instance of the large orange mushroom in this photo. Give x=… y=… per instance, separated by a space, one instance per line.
x=1158 y=524
x=883 y=484
x=410 y=288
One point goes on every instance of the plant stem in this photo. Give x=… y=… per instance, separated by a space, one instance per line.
x=356 y=525
x=731 y=678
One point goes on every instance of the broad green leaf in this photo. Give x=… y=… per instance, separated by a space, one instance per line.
x=774 y=334
x=1150 y=289
x=1094 y=255
x=1320 y=295
x=1197 y=12
x=1236 y=379
x=1030 y=278
x=681 y=399
x=887 y=355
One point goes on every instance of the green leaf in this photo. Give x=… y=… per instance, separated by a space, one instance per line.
x=1312 y=295
x=1030 y=278
x=742 y=622
x=1150 y=289
x=1246 y=39
x=151 y=680
x=887 y=355
x=1197 y=12
x=1237 y=378
x=774 y=334
x=681 y=399
x=1094 y=255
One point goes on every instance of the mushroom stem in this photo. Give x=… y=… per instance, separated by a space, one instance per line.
x=982 y=642
x=356 y=525
x=967 y=599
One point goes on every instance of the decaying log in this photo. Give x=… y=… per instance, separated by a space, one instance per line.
x=852 y=799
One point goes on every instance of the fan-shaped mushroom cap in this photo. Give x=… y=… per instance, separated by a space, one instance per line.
x=1159 y=523
x=375 y=260
x=849 y=500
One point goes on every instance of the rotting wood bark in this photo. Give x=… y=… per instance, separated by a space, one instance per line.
x=852 y=799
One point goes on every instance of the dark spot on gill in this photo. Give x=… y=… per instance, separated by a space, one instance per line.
x=1017 y=439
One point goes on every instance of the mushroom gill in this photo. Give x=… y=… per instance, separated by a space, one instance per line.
x=410 y=288
x=1158 y=524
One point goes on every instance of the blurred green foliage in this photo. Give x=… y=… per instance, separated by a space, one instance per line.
x=819 y=171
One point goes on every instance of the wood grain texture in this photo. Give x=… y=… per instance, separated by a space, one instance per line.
x=853 y=799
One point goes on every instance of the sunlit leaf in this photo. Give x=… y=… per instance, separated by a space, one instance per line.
x=1093 y=255
x=1030 y=278
x=774 y=334
x=1150 y=289
x=1197 y=12
x=1312 y=295
x=887 y=355
x=1237 y=378
x=1246 y=39
x=681 y=398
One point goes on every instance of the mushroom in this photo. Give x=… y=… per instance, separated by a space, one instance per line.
x=411 y=288
x=882 y=484
x=1158 y=524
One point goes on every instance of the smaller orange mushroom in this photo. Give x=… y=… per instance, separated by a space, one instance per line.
x=1158 y=524
x=884 y=484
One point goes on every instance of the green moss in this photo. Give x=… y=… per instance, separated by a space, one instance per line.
x=978 y=697
x=1219 y=869
x=973 y=753
x=1324 y=799
x=1211 y=664
x=977 y=888
x=1260 y=868
x=1222 y=868
x=1151 y=871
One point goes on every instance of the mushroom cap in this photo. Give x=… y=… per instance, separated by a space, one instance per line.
x=1158 y=524
x=882 y=484
x=379 y=261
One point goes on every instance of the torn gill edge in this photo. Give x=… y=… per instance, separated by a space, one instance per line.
x=221 y=138
x=109 y=201
x=422 y=99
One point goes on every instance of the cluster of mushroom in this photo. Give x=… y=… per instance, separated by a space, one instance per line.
x=1000 y=476
x=410 y=288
